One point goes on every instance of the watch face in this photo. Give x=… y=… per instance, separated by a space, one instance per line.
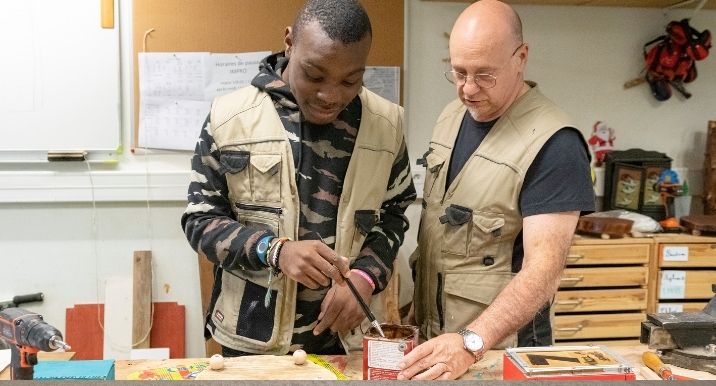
x=473 y=342
x=262 y=246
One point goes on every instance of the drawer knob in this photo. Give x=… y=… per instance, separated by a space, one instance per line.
x=575 y=303
x=573 y=258
x=570 y=329
x=572 y=279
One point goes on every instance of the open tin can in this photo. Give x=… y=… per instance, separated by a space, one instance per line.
x=381 y=356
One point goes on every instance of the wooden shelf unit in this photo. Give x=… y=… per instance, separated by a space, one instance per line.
x=683 y=268
x=604 y=291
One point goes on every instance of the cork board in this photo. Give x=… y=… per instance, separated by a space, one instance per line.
x=244 y=26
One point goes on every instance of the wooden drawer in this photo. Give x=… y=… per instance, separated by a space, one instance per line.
x=608 y=254
x=603 y=277
x=601 y=300
x=680 y=307
x=686 y=284
x=595 y=326
x=687 y=255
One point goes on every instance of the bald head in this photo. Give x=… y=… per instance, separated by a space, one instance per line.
x=487 y=21
x=486 y=48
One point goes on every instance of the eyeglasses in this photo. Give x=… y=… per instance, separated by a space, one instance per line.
x=481 y=80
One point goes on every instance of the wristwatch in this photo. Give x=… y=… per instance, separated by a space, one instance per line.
x=262 y=248
x=472 y=342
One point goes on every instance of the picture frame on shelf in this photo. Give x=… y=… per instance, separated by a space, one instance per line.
x=628 y=187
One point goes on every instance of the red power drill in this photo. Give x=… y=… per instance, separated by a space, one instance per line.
x=27 y=333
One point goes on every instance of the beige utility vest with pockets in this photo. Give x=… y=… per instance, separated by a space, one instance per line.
x=263 y=193
x=467 y=233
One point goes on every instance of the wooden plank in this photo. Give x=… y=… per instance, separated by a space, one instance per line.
x=593 y=326
x=169 y=328
x=601 y=300
x=84 y=331
x=142 y=299
x=266 y=367
x=603 y=277
x=608 y=254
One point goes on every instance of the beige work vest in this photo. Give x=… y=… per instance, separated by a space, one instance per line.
x=461 y=268
x=264 y=194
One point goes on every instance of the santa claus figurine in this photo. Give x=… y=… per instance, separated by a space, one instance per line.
x=601 y=141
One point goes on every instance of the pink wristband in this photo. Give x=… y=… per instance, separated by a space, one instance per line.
x=364 y=276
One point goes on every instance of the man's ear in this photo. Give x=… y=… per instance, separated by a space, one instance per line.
x=288 y=40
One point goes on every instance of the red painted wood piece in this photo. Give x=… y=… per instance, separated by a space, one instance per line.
x=84 y=331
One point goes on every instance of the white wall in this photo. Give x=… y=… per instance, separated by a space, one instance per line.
x=580 y=57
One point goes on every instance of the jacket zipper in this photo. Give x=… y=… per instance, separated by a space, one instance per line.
x=438 y=299
x=262 y=208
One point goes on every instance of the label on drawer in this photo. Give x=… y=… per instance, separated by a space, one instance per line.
x=669 y=307
x=673 y=285
x=673 y=253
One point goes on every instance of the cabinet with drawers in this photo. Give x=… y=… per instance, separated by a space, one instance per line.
x=683 y=269
x=603 y=295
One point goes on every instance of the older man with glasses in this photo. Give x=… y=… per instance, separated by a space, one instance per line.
x=507 y=177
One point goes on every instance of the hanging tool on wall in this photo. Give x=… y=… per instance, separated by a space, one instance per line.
x=670 y=59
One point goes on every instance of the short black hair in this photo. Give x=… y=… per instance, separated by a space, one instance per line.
x=342 y=20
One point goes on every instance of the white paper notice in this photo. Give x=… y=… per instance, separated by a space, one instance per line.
x=384 y=81
x=672 y=253
x=230 y=72
x=176 y=90
x=673 y=285
x=664 y=308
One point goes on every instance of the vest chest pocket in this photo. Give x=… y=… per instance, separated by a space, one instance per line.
x=234 y=166
x=486 y=234
x=457 y=228
x=266 y=177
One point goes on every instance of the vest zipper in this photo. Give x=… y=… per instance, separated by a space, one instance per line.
x=262 y=208
x=439 y=303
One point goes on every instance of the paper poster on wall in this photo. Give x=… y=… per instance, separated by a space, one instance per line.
x=384 y=81
x=673 y=285
x=176 y=90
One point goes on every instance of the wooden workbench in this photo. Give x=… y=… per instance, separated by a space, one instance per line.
x=489 y=368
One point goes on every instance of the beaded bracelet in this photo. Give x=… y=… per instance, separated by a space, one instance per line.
x=276 y=253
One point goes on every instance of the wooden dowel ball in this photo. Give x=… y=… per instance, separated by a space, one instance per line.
x=299 y=357
x=216 y=362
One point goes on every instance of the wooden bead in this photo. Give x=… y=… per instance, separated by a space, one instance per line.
x=299 y=357
x=216 y=362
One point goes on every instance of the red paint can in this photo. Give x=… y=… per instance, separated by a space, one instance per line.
x=381 y=356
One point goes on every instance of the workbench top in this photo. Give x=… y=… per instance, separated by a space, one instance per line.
x=489 y=368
